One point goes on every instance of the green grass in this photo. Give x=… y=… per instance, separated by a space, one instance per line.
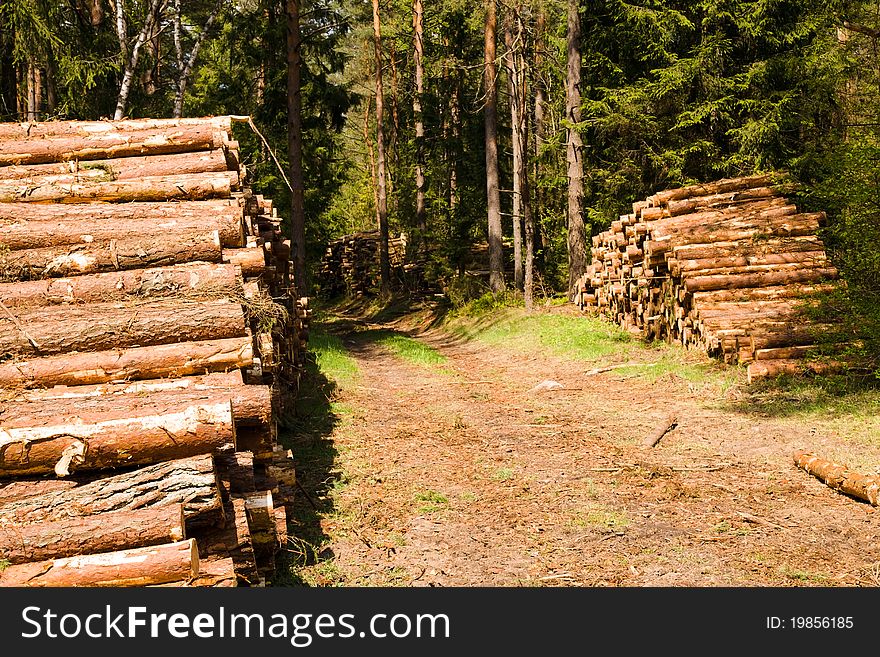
x=431 y=501
x=409 y=349
x=332 y=358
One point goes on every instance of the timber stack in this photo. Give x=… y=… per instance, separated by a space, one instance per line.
x=351 y=264
x=730 y=267
x=150 y=337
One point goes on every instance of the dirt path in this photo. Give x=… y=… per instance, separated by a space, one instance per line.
x=459 y=476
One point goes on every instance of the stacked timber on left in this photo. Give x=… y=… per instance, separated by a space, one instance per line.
x=730 y=267
x=149 y=336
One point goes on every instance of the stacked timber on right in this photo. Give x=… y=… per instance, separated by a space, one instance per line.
x=729 y=267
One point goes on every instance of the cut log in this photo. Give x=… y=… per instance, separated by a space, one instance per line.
x=11 y=491
x=763 y=247
x=171 y=360
x=795 y=291
x=728 y=282
x=191 y=482
x=236 y=472
x=233 y=541
x=214 y=572
x=839 y=477
x=96 y=441
x=706 y=189
x=106 y=145
x=760 y=370
x=33 y=129
x=803 y=258
x=192 y=280
x=252 y=261
x=100 y=327
x=785 y=353
x=68 y=537
x=14 y=213
x=113 y=255
x=136 y=567
x=121 y=168
x=72 y=231
x=662 y=429
x=686 y=205
x=191 y=187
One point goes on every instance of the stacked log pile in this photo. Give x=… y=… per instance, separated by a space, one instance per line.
x=350 y=265
x=727 y=267
x=150 y=336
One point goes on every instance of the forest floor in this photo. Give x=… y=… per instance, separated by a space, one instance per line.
x=430 y=460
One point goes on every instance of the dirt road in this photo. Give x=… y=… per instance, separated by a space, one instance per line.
x=461 y=475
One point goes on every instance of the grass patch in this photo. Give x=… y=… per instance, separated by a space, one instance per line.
x=601 y=517
x=332 y=358
x=409 y=349
x=503 y=474
x=431 y=501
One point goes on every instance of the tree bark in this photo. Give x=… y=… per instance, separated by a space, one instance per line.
x=419 y=63
x=514 y=81
x=252 y=261
x=169 y=360
x=136 y=567
x=839 y=477
x=577 y=237
x=707 y=189
x=130 y=61
x=490 y=113
x=185 y=67
x=109 y=144
x=100 y=440
x=114 y=255
x=214 y=572
x=295 y=145
x=40 y=541
x=113 y=326
x=384 y=262
x=190 y=482
x=80 y=130
x=192 y=280
x=233 y=541
x=159 y=212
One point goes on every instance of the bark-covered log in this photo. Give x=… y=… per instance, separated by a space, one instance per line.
x=728 y=282
x=839 y=477
x=192 y=187
x=68 y=537
x=729 y=198
x=13 y=213
x=106 y=145
x=126 y=127
x=706 y=189
x=191 y=482
x=214 y=572
x=162 y=250
x=136 y=567
x=795 y=291
x=233 y=541
x=70 y=231
x=767 y=369
x=748 y=248
x=236 y=472
x=155 y=362
x=251 y=260
x=120 y=168
x=100 y=327
x=191 y=280
x=803 y=258
x=112 y=439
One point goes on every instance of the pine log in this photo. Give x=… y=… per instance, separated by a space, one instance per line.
x=214 y=572
x=785 y=353
x=16 y=490
x=136 y=567
x=662 y=429
x=735 y=270
x=728 y=282
x=32 y=129
x=687 y=205
x=158 y=212
x=195 y=280
x=839 y=477
x=795 y=291
x=251 y=260
x=107 y=145
x=252 y=405
x=121 y=168
x=70 y=231
x=706 y=189
x=171 y=360
x=766 y=209
x=101 y=327
x=191 y=482
x=805 y=258
x=233 y=541
x=96 y=441
x=236 y=472
x=794 y=225
x=767 y=369
x=763 y=247
x=161 y=250
x=192 y=187
x=68 y=537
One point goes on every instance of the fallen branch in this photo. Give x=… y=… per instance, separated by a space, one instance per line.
x=600 y=370
x=839 y=477
x=670 y=423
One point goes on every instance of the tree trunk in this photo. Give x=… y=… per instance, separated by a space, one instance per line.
x=190 y=187
x=137 y=567
x=113 y=326
x=295 y=145
x=384 y=262
x=577 y=237
x=192 y=281
x=113 y=255
x=68 y=232
x=419 y=56
x=106 y=145
x=125 y=168
x=513 y=81
x=131 y=61
x=839 y=477
x=40 y=541
x=190 y=482
x=540 y=134
x=185 y=68
x=169 y=360
x=120 y=437
x=490 y=112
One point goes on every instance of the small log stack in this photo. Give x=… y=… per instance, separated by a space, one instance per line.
x=150 y=338
x=350 y=265
x=728 y=267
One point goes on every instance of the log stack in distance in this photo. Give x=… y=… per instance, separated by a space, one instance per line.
x=729 y=267
x=150 y=338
